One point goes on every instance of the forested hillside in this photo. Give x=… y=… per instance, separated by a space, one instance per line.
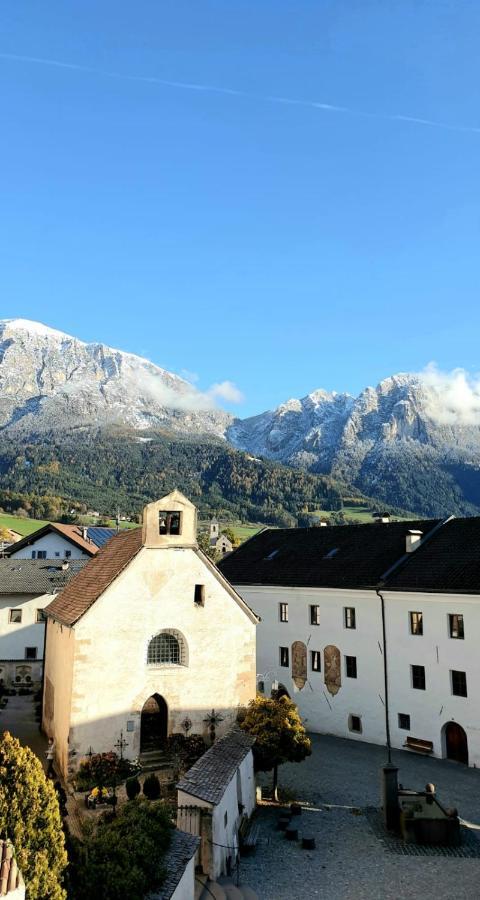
x=118 y=469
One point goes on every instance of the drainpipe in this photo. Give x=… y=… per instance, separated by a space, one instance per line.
x=389 y=771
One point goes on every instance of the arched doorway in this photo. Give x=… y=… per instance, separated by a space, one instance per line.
x=456 y=743
x=153 y=724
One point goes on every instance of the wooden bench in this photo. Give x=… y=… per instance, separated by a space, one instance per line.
x=417 y=744
x=248 y=834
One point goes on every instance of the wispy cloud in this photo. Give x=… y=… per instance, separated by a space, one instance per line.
x=232 y=92
x=453 y=398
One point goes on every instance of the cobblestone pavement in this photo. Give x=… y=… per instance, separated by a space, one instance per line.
x=18 y=718
x=350 y=862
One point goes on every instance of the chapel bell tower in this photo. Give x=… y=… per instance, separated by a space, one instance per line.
x=170 y=522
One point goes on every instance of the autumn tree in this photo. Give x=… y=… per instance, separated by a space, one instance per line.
x=279 y=733
x=30 y=818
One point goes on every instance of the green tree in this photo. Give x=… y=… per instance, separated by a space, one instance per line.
x=203 y=541
x=30 y=818
x=230 y=534
x=280 y=735
x=122 y=857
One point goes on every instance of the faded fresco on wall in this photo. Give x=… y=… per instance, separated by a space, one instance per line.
x=299 y=664
x=333 y=671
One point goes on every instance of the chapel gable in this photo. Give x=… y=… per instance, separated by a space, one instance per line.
x=170 y=522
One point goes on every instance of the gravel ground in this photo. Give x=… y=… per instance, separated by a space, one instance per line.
x=350 y=862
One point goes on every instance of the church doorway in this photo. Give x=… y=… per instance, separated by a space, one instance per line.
x=153 y=724
x=456 y=743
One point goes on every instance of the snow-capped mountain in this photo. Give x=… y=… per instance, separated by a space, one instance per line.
x=411 y=442
x=399 y=442
x=50 y=380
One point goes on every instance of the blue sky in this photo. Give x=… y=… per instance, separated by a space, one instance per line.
x=282 y=246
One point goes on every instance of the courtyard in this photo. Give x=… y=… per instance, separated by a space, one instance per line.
x=339 y=782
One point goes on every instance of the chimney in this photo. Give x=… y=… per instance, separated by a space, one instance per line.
x=412 y=540
x=65 y=565
x=323 y=523
x=84 y=531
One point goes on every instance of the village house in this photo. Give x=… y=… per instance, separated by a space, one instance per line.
x=218 y=541
x=147 y=636
x=323 y=594
x=57 y=541
x=27 y=586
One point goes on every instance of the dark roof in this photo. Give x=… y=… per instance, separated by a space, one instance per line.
x=71 y=533
x=37 y=576
x=210 y=775
x=99 y=534
x=338 y=556
x=448 y=562
x=93 y=580
x=182 y=847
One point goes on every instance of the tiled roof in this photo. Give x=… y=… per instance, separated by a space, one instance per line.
x=95 y=577
x=447 y=563
x=182 y=847
x=72 y=533
x=210 y=775
x=10 y=877
x=339 y=556
x=37 y=576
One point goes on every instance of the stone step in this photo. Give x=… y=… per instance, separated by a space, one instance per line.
x=215 y=890
x=232 y=892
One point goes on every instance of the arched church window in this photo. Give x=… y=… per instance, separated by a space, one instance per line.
x=167 y=648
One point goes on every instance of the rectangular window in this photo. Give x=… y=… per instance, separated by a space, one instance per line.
x=351 y=666
x=416 y=623
x=350 y=621
x=42 y=554
x=57 y=552
x=40 y=616
x=314 y=615
x=404 y=721
x=355 y=724
x=199 y=595
x=170 y=523
x=418 y=677
x=283 y=612
x=284 y=656
x=30 y=652
x=68 y=554
x=459 y=683
x=315 y=660
x=15 y=616
x=34 y=554
x=455 y=626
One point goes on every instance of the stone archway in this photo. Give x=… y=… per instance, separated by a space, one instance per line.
x=153 y=724
x=456 y=742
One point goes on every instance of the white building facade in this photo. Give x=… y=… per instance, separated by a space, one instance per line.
x=148 y=636
x=325 y=647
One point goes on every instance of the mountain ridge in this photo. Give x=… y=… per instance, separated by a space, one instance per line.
x=404 y=442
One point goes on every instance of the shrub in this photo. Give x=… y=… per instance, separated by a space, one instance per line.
x=132 y=786
x=101 y=770
x=30 y=816
x=195 y=748
x=151 y=787
x=121 y=856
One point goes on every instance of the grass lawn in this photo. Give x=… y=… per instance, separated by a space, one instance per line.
x=243 y=532
x=360 y=514
x=20 y=525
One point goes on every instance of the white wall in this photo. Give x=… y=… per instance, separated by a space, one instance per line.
x=55 y=546
x=431 y=709
x=111 y=678
x=185 y=889
x=321 y=711
x=28 y=633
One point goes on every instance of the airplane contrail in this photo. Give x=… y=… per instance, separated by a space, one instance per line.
x=232 y=92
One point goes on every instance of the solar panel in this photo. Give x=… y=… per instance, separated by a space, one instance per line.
x=99 y=535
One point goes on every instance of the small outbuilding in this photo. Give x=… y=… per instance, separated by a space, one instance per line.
x=221 y=787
